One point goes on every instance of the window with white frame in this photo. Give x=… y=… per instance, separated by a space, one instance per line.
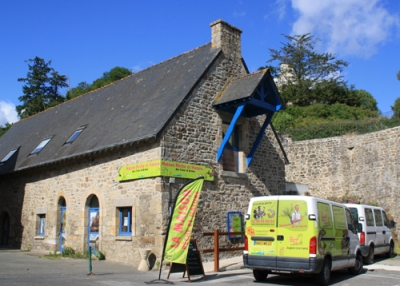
x=125 y=221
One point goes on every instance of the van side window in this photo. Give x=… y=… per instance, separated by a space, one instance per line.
x=324 y=215
x=339 y=217
x=350 y=220
x=354 y=213
x=378 y=218
x=385 y=219
x=369 y=217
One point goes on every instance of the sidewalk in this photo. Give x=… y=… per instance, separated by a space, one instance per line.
x=235 y=263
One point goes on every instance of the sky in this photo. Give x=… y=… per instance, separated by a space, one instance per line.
x=84 y=39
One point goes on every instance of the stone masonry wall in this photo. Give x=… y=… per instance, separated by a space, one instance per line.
x=194 y=136
x=25 y=194
x=367 y=166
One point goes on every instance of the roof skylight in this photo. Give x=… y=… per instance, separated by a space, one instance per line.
x=8 y=156
x=40 y=146
x=75 y=135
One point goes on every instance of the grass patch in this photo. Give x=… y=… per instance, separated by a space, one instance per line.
x=68 y=252
x=71 y=253
x=52 y=256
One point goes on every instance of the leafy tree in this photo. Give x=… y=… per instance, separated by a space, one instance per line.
x=80 y=89
x=301 y=69
x=366 y=100
x=42 y=88
x=396 y=108
x=114 y=74
x=4 y=129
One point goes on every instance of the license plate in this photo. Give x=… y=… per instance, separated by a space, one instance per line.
x=263 y=242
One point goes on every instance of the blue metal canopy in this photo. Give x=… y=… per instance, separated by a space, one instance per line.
x=249 y=96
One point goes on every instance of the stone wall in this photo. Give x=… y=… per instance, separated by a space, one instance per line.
x=194 y=136
x=367 y=166
x=26 y=194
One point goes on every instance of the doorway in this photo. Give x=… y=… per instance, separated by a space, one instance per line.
x=63 y=222
x=94 y=224
x=5 y=228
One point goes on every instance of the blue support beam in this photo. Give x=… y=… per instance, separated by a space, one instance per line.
x=259 y=137
x=262 y=104
x=228 y=134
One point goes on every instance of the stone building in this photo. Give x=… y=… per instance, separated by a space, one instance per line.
x=61 y=174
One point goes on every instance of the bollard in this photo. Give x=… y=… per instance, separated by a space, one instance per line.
x=90 y=261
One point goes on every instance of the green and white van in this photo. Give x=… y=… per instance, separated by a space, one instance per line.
x=300 y=234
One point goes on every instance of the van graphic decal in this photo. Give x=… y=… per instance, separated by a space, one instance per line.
x=296 y=240
x=263 y=212
x=250 y=231
x=271 y=213
x=293 y=215
x=321 y=243
x=345 y=243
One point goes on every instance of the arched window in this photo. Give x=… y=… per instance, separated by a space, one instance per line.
x=94 y=202
x=62 y=206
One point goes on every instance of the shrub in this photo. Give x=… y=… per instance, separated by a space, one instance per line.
x=100 y=255
x=68 y=252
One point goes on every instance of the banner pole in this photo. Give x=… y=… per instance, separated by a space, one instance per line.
x=169 y=224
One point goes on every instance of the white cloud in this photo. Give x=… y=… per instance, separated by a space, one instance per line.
x=348 y=27
x=280 y=8
x=8 y=114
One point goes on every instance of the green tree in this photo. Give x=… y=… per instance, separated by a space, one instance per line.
x=396 y=108
x=300 y=69
x=398 y=75
x=41 y=89
x=81 y=88
x=114 y=74
x=366 y=100
x=4 y=129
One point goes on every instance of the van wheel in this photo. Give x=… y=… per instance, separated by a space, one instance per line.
x=358 y=265
x=325 y=274
x=390 y=253
x=370 y=258
x=260 y=275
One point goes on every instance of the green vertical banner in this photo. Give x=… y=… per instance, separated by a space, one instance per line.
x=181 y=223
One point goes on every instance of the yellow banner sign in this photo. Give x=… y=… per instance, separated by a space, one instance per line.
x=182 y=221
x=163 y=168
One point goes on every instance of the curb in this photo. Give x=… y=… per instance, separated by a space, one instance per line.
x=381 y=267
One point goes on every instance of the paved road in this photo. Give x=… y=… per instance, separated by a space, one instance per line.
x=25 y=268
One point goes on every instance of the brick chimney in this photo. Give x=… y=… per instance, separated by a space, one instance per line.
x=226 y=37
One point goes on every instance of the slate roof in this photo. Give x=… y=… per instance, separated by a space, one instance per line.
x=135 y=108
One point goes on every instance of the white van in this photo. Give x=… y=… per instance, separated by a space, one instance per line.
x=376 y=235
x=300 y=234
